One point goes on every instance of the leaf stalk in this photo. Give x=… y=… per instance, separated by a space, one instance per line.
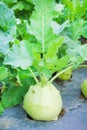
x=70 y=67
x=33 y=75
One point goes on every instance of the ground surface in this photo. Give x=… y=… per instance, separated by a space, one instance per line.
x=74 y=118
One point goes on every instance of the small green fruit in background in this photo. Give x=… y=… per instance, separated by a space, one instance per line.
x=84 y=88
x=66 y=75
x=43 y=102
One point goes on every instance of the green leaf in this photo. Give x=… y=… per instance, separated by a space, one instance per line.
x=20 y=55
x=62 y=63
x=84 y=30
x=22 y=30
x=40 y=22
x=47 y=66
x=5 y=38
x=10 y=2
x=25 y=77
x=75 y=8
x=30 y=1
x=14 y=95
x=76 y=29
x=20 y=5
x=3 y=73
x=51 y=58
x=44 y=70
x=59 y=64
x=7 y=27
x=78 y=54
x=7 y=19
x=62 y=50
x=80 y=7
x=57 y=28
x=52 y=52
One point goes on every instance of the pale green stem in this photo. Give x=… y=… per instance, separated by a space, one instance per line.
x=43 y=46
x=80 y=66
x=33 y=75
x=60 y=73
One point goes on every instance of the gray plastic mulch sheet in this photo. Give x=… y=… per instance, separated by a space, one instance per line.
x=74 y=118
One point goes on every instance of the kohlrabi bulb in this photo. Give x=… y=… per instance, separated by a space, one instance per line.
x=66 y=75
x=43 y=102
x=84 y=88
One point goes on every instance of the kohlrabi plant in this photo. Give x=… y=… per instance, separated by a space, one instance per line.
x=84 y=88
x=38 y=58
x=43 y=98
x=66 y=75
x=43 y=101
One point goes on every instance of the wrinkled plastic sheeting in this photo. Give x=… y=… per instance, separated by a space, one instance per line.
x=74 y=118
